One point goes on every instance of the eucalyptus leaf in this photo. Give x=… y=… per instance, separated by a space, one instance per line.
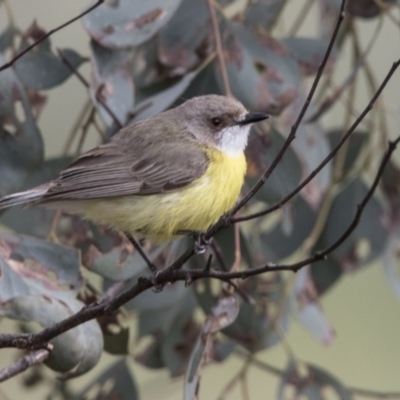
x=391 y=262
x=163 y=99
x=262 y=74
x=35 y=221
x=263 y=14
x=75 y=351
x=355 y=146
x=32 y=266
x=310 y=384
x=306 y=307
x=112 y=82
x=368 y=239
x=116 y=382
x=41 y=69
x=158 y=321
x=39 y=282
x=312 y=147
x=181 y=40
x=276 y=243
x=151 y=357
x=192 y=376
x=6 y=38
x=253 y=327
x=325 y=273
x=21 y=146
x=261 y=152
x=177 y=344
x=367 y=8
x=128 y=24
x=309 y=53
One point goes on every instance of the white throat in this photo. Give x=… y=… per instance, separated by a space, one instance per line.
x=233 y=140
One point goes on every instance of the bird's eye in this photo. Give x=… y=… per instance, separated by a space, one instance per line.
x=216 y=121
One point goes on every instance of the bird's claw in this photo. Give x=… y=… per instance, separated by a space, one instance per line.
x=157 y=286
x=201 y=243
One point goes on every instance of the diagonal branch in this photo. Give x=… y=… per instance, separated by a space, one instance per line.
x=23 y=363
x=329 y=157
x=218 y=46
x=49 y=33
x=300 y=117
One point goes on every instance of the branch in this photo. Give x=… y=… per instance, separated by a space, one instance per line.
x=29 y=48
x=300 y=117
x=330 y=100
x=329 y=157
x=173 y=274
x=24 y=363
x=142 y=253
x=218 y=46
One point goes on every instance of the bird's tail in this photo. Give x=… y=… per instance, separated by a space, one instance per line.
x=23 y=198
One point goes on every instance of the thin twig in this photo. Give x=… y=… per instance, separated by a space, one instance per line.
x=329 y=157
x=238 y=253
x=142 y=253
x=49 y=33
x=221 y=261
x=330 y=100
x=87 y=85
x=300 y=117
x=22 y=364
x=218 y=46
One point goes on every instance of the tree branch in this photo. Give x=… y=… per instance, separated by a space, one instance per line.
x=218 y=47
x=49 y=33
x=142 y=253
x=25 y=362
x=329 y=157
x=173 y=274
x=300 y=117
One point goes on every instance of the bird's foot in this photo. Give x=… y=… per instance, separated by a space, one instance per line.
x=200 y=242
x=158 y=287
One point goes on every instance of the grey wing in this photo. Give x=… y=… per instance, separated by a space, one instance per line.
x=109 y=171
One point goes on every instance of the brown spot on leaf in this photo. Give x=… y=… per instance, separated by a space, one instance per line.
x=145 y=19
x=234 y=52
x=37 y=101
x=34 y=32
x=271 y=43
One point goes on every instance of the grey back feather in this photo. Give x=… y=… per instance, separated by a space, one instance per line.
x=135 y=162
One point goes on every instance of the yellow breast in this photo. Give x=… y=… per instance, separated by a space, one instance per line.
x=193 y=208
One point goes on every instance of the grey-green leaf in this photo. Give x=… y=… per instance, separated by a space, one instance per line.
x=41 y=69
x=128 y=24
x=123 y=386
x=21 y=146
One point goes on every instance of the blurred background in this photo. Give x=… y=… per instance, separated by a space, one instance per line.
x=362 y=309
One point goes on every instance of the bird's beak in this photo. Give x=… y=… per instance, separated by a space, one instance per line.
x=251 y=117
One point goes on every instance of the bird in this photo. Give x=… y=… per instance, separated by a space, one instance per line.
x=179 y=171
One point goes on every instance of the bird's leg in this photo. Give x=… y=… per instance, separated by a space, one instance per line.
x=154 y=270
x=200 y=242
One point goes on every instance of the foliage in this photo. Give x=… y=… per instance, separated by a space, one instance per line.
x=146 y=57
